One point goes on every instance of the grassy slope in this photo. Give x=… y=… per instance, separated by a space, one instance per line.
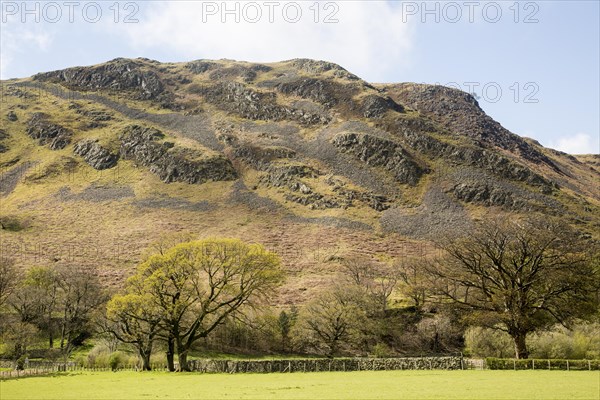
x=333 y=385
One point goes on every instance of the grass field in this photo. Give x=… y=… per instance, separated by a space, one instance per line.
x=324 y=385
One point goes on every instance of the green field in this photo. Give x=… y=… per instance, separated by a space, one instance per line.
x=324 y=385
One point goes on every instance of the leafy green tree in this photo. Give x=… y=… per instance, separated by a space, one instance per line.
x=197 y=285
x=134 y=319
x=519 y=276
x=35 y=297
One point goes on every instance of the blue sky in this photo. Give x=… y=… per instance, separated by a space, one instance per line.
x=533 y=64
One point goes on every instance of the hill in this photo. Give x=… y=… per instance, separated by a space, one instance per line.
x=101 y=162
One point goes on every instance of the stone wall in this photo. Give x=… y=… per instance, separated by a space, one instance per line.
x=318 y=365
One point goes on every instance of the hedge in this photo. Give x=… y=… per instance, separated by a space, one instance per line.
x=556 y=364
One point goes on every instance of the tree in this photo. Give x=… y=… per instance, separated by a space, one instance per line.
x=81 y=295
x=285 y=323
x=335 y=318
x=379 y=281
x=519 y=276
x=359 y=270
x=383 y=285
x=197 y=285
x=34 y=299
x=18 y=336
x=413 y=281
x=134 y=319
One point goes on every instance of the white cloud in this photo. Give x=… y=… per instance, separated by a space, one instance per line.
x=369 y=39
x=579 y=143
x=18 y=40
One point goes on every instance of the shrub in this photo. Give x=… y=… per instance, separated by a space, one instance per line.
x=381 y=350
x=98 y=357
x=582 y=341
x=13 y=223
x=21 y=363
x=81 y=360
x=485 y=342
x=116 y=360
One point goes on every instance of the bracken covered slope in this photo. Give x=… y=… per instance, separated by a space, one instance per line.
x=98 y=163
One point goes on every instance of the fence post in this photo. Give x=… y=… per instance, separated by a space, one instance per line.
x=567 y=365
x=549 y=368
x=589 y=365
x=514 y=364
x=533 y=364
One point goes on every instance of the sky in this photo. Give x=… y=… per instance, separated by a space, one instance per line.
x=533 y=65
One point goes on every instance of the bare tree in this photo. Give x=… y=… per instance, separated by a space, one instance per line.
x=413 y=281
x=81 y=295
x=335 y=318
x=519 y=276
x=359 y=270
x=378 y=280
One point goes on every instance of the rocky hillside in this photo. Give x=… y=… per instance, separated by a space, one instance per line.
x=98 y=163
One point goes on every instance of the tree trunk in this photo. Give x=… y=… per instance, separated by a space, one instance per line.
x=145 y=355
x=521 y=351
x=62 y=337
x=182 y=358
x=333 y=348
x=171 y=354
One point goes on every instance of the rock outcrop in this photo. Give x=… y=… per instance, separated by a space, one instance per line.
x=460 y=113
x=488 y=195
x=95 y=155
x=318 y=67
x=468 y=155
x=378 y=152
x=374 y=106
x=239 y=99
x=173 y=163
x=118 y=74
x=3 y=136
x=201 y=66
x=259 y=157
x=47 y=133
